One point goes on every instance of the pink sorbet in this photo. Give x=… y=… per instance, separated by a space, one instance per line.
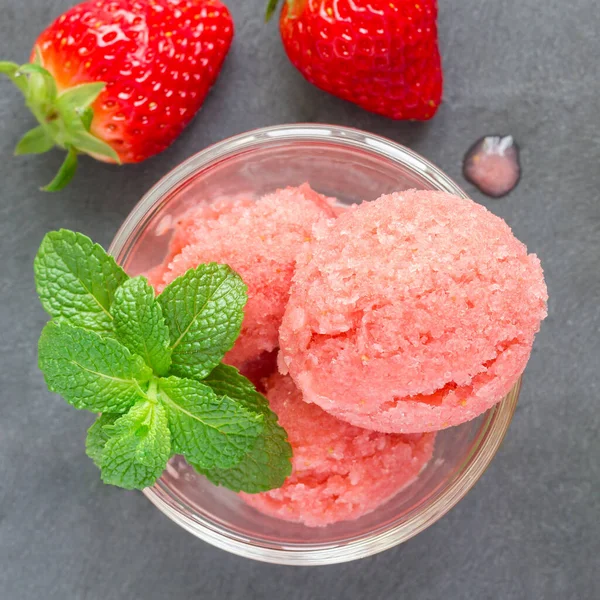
x=340 y=472
x=411 y=313
x=258 y=239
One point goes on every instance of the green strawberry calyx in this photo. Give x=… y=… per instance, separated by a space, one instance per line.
x=64 y=118
x=295 y=8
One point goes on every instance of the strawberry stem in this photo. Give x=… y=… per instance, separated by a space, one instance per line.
x=64 y=118
x=65 y=173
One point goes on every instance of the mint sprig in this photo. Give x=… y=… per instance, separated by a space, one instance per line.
x=151 y=366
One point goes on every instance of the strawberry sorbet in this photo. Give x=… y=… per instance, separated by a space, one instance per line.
x=411 y=313
x=258 y=239
x=340 y=472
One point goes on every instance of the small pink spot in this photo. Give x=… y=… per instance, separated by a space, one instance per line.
x=492 y=165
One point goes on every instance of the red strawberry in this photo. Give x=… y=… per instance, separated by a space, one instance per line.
x=380 y=54
x=120 y=79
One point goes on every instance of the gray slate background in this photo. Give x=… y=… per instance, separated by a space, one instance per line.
x=530 y=528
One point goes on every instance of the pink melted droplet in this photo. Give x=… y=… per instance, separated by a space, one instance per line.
x=492 y=165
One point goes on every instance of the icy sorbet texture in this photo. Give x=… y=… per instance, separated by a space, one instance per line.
x=340 y=472
x=411 y=313
x=260 y=240
x=387 y=321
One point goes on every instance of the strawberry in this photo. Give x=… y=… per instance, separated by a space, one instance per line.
x=120 y=79
x=380 y=54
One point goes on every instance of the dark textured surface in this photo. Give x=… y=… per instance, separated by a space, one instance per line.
x=530 y=528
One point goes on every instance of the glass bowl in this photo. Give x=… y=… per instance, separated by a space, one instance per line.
x=352 y=166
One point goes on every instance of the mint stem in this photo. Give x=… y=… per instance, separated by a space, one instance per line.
x=152 y=392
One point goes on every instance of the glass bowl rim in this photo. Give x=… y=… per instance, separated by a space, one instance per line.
x=483 y=448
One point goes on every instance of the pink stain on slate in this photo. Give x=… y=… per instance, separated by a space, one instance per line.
x=492 y=165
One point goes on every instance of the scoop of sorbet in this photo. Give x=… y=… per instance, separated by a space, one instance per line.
x=340 y=472
x=411 y=313
x=258 y=239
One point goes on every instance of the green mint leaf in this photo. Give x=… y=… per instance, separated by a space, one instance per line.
x=76 y=279
x=268 y=463
x=138 y=447
x=204 y=310
x=139 y=324
x=208 y=430
x=97 y=436
x=89 y=371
